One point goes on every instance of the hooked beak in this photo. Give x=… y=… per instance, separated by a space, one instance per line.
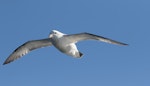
x=51 y=35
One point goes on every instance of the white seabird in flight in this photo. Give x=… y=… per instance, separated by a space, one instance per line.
x=63 y=42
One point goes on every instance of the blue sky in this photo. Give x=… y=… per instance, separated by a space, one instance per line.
x=102 y=64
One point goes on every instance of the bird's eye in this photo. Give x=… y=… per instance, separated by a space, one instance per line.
x=55 y=33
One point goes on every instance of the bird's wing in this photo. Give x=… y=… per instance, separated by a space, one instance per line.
x=27 y=47
x=87 y=36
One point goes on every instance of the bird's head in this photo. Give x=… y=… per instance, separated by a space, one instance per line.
x=55 y=33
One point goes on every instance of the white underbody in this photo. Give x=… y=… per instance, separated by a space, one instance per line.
x=65 y=46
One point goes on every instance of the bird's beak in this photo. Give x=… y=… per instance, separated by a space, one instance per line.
x=51 y=35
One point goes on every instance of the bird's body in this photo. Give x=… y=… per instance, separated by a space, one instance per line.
x=64 y=45
x=63 y=42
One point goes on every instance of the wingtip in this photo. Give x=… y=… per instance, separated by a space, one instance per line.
x=5 y=63
x=120 y=43
x=125 y=44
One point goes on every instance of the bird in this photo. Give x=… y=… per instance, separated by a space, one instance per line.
x=65 y=43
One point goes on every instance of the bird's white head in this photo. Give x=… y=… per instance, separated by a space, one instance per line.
x=55 y=33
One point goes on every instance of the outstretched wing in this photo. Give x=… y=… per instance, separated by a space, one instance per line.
x=27 y=47
x=87 y=36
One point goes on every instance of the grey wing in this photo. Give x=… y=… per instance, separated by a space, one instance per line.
x=87 y=36
x=27 y=47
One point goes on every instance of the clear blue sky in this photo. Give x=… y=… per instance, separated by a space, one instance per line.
x=102 y=64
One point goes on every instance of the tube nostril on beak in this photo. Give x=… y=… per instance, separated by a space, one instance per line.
x=50 y=36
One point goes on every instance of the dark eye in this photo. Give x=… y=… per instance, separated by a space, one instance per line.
x=55 y=33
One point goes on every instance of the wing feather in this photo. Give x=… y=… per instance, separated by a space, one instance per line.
x=26 y=48
x=87 y=36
